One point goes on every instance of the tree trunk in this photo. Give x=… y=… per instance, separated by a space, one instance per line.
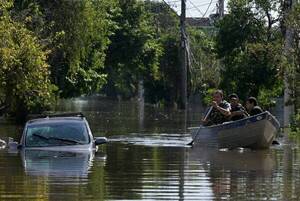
x=288 y=45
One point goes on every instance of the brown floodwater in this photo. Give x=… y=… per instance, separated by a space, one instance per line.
x=147 y=159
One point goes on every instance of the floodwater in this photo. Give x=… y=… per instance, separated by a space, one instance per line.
x=147 y=159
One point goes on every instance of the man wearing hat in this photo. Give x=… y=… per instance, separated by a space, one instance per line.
x=252 y=107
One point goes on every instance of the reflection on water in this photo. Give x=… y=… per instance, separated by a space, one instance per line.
x=147 y=159
x=57 y=163
x=238 y=159
x=119 y=118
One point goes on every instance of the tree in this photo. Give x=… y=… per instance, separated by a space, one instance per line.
x=293 y=20
x=204 y=69
x=250 y=49
x=77 y=34
x=164 y=88
x=24 y=74
x=205 y=66
x=134 y=52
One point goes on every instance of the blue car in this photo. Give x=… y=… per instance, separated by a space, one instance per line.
x=69 y=132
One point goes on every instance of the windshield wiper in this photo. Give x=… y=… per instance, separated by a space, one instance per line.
x=40 y=136
x=57 y=138
x=65 y=140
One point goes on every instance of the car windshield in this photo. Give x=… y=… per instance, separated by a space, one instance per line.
x=56 y=134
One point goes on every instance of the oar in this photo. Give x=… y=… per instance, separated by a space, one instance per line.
x=206 y=116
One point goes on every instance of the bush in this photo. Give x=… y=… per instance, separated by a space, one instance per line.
x=24 y=74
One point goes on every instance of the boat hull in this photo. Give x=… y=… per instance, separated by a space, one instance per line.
x=256 y=132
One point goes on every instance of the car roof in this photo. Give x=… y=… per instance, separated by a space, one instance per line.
x=55 y=120
x=64 y=117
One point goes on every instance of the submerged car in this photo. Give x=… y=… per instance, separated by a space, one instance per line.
x=60 y=163
x=70 y=132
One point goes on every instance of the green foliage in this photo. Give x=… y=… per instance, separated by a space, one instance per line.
x=134 y=52
x=252 y=70
x=267 y=97
x=237 y=29
x=77 y=34
x=293 y=71
x=251 y=52
x=4 y=5
x=110 y=45
x=205 y=67
x=164 y=88
x=24 y=72
x=207 y=94
x=86 y=26
x=163 y=18
x=295 y=127
x=294 y=18
x=85 y=44
x=294 y=22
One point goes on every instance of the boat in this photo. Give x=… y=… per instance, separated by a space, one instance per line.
x=255 y=132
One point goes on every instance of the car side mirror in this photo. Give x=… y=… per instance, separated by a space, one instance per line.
x=100 y=140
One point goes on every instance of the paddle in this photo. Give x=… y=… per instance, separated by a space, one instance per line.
x=204 y=119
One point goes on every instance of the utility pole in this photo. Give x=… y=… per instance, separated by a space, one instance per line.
x=288 y=109
x=183 y=40
x=221 y=8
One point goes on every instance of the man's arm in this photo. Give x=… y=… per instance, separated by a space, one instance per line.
x=241 y=111
x=225 y=111
x=237 y=113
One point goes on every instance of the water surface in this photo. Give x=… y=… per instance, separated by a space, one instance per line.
x=147 y=159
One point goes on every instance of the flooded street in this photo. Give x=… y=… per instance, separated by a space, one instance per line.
x=147 y=159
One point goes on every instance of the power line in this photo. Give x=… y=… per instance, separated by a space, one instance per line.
x=169 y=6
x=214 y=9
x=176 y=1
x=188 y=12
x=208 y=7
x=195 y=7
x=174 y=5
x=201 y=5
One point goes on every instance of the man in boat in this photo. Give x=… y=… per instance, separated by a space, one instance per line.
x=252 y=107
x=237 y=110
x=219 y=111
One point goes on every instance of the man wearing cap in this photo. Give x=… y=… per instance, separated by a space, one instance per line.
x=252 y=107
x=237 y=110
